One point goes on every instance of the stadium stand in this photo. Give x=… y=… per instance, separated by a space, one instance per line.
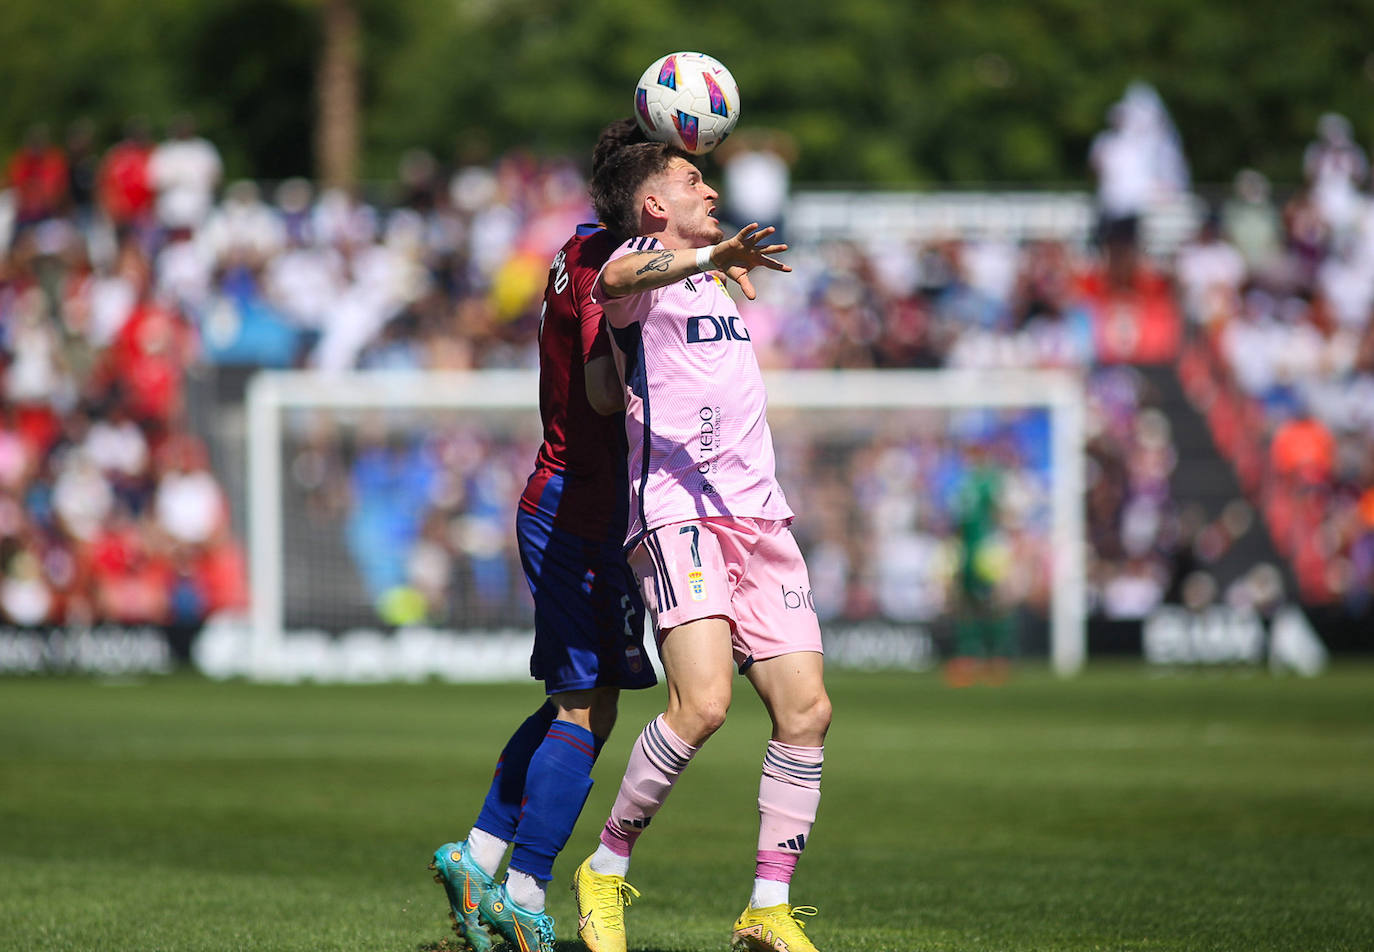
x=1229 y=362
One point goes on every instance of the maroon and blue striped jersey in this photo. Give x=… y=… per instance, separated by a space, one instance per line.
x=579 y=473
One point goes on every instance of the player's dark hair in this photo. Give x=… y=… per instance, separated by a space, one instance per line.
x=615 y=137
x=617 y=182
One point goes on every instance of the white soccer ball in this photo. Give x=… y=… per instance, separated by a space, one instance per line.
x=688 y=100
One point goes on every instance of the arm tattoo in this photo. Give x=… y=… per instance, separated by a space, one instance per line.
x=660 y=262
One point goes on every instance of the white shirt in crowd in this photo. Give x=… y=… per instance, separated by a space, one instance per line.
x=911 y=572
x=1205 y=268
x=185 y=273
x=117 y=447
x=305 y=282
x=184 y=173
x=189 y=505
x=24 y=597
x=112 y=300
x=82 y=497
x=34 y=375
x=244 y=226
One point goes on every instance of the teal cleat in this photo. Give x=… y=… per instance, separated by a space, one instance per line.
x=526 y=931
x=467 y=885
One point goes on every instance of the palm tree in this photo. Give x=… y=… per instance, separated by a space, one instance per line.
x=337 y=92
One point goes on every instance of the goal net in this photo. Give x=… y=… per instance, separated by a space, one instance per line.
x=381 y=517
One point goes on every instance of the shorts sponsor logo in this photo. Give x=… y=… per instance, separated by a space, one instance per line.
x=696 y=583
x=796 y=598
x=634 y=659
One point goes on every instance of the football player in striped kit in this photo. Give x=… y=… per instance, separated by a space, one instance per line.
x=588 y=641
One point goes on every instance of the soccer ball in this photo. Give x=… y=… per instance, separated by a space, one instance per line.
x=688 y=100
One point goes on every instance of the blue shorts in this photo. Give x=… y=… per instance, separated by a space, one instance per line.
x=588 y=614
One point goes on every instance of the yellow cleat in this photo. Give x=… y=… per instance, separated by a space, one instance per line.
x=601 y=901
x=772 y=929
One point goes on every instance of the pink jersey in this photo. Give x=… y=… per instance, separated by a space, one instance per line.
x=696 y=410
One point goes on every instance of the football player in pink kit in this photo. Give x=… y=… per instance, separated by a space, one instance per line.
x=722 y=577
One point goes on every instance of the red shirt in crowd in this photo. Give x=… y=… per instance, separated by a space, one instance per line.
x=147 y=359
x=1137 y=323
x=1305 y=449
x=124 y=190
x=39 y=178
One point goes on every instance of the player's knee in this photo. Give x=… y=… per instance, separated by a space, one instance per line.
x=705 y=715
x=819 y=714
x=806 y=723
x=710 y=714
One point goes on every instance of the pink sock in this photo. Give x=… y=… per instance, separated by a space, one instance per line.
x=656 y=760
x=789 y=794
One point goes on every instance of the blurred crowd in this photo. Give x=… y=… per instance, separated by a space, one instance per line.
x=128 y=268
x=109 y=511
x=1281 y=294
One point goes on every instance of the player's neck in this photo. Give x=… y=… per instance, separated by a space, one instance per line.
x=669 y=238
x=665 y=238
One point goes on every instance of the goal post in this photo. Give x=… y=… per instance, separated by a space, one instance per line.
x=274 y=392
x=1058 y=391
x=274 y=396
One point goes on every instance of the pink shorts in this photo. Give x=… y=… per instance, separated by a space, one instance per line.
x=748 y=571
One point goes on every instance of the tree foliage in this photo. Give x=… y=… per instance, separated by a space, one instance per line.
x=873 y=91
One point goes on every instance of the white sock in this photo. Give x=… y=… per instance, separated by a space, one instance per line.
x=486 y=850
x=525 y=891
x=607 y=862
x=769 y=892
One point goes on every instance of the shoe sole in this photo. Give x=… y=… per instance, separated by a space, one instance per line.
x=748 y=945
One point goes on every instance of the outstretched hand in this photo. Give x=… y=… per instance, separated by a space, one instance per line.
x=745 y=250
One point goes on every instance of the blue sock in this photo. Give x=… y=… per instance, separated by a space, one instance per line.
x=501 y=810
x=555 y=791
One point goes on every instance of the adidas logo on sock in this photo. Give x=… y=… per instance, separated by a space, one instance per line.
x=797 y=843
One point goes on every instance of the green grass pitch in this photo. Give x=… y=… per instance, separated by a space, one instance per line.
x=1122 y=810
